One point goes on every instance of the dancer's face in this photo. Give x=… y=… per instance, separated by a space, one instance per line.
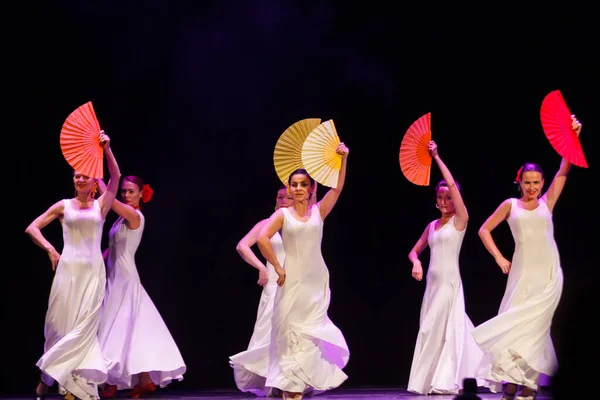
x=130 y=193
x=283 y=199
x=300 y=187
x=444 y=201
x=83 y=183
x=532 y=183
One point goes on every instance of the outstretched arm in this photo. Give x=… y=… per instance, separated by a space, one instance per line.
x=331 y=197
x=107 y=198
x=560 y=179
x=462 y=216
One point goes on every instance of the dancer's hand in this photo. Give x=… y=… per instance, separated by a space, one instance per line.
x=104 y=139
x=342 y=149
x=281 y=272
x=504 y=264
x=263 y=276
x=576 y=125
x=54 y=258
x=433 y=149
x=417 y=271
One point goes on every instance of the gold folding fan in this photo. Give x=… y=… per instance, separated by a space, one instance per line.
x=287 y=156
x=319 y=155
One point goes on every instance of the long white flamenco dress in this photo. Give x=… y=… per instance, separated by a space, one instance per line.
x=307 y=350
x=250 y=367
x=517 y=343
x=72 y=354
x=445 y=352
x=133 y=336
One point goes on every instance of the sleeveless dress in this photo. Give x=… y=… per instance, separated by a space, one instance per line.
x=307 y=350
x=72 y=354
x=250 y=367
x=517 y=343
x=445 y=352
x=133 y=336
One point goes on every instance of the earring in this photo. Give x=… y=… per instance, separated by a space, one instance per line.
x=436 y=206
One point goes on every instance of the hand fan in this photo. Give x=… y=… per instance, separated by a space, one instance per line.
x=556 y=122
x=79 y=141
x=319 y=155
x=287 y=156
x=414 y=157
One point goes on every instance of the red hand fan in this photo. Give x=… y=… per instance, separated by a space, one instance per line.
x=414 y=157
x=556 y=122
x=79 y=141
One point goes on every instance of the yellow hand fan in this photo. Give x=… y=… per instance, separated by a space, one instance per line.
x=79 y=141
x=319 y=157
x=414 y=157
x=287 y=156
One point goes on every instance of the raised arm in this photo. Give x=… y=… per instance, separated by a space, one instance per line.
x=560 y=179
x=413 y=256
x=244 y=250
x=485 y=233
x=128 y=213
x=462 y=216
x=331 y=197
x=270 y=227
x=34 y=230
x=107 y=198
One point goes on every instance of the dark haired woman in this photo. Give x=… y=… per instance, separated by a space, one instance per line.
x=517 y=343
x=445 y=352
x=135 y=340
x=307 y=350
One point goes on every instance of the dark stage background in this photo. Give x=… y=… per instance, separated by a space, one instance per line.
x=194 y=99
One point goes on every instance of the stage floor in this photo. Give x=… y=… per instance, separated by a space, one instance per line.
x=339 y=394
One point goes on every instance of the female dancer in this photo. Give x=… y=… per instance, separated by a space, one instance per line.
x=517 y=343
x=445 y=352
x=307 y=350
x=250 y=367
x=72 y=354
x=133 y=336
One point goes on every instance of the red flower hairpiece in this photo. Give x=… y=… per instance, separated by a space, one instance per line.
x=518 y=178
x=147 y=193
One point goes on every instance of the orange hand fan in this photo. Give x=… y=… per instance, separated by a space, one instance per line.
x=415 y=160
x=319 y=155
x=79 y=141
x=287 y=156
x=556 y=122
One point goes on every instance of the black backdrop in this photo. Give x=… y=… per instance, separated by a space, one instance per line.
x=194 y=99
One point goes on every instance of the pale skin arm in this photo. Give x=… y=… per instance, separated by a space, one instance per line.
x=244 y=249
x=560 y=179
x=270 y=227
x=413 y=256
x=125 y=211
x=331 y=197
x=462 y=216
x=34 y=230
x=485 y=233
x=107 y=198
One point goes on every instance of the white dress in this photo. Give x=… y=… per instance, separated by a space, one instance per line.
x=250 y=367
x=445 y=352
x=517 y=343
x=72 y=354
x=133 y=336
x=307 y=350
